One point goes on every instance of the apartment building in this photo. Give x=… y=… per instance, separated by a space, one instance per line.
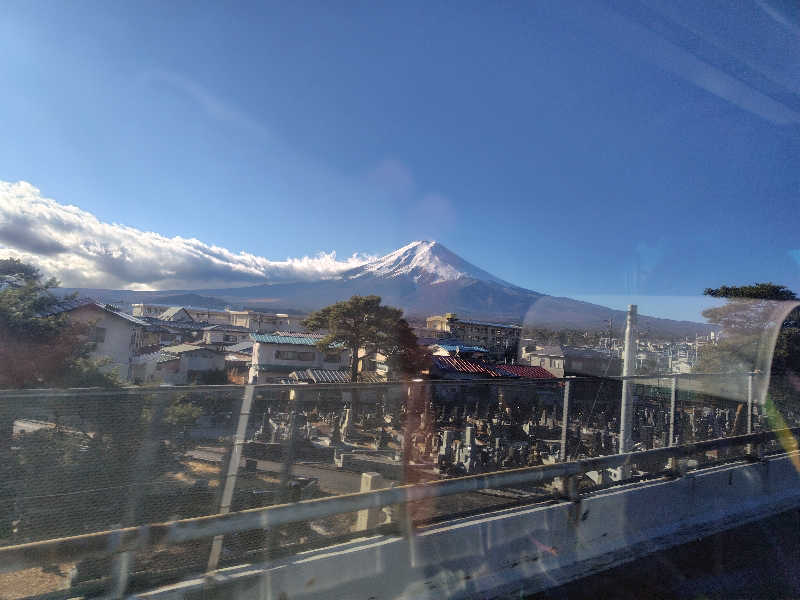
x=498 y=338
x=251 y=320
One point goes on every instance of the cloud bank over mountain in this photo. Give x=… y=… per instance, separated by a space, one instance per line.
x=83 y=251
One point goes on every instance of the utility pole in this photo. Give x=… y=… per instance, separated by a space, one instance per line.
x=628 y=357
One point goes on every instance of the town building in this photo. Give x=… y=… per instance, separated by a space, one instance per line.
x=451 y=367
x=457 y=348
x=251 y=320
x=261 y=322
x=237 y=361
x=275 y=356
x=188 y=363
x=564 y=361
x=501 y=340
x=224 y=335
x=373 y=365
x=117 y=337
x=177 y=314
x=330 y=376
x=169 y=333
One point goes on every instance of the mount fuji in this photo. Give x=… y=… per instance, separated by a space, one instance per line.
x=423 y=278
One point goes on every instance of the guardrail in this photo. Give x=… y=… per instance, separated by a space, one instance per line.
x=122 y=541
x=116 y=541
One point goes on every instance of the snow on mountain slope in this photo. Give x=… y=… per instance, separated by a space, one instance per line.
x=425 y=263
x=422 y=278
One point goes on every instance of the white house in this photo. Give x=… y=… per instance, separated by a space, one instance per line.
x=187 y=363
x=275 y=356
x=117 y=336
x=225 y=335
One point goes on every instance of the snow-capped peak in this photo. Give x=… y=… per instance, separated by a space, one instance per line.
x=424 y=262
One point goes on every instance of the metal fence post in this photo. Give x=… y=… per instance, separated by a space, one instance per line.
x=564 y=422
x=673 y=395
x=232 y=471
x=626 y=408
x=750 y=402
x=748 y=449
x=289 y=446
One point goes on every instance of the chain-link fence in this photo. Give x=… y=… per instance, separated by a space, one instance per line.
x=82 y=461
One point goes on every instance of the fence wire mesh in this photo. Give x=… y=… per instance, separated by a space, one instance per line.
x=82 y=461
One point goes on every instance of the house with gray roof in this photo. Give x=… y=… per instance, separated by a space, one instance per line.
x=117 y=337
x=276 y=356
x=176 y=313
x=187 y=363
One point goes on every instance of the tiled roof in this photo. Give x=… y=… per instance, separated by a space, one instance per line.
x=298 y=339
x=219 y=327
x=168 y=314
x=240 y=347
x=525 y=371
x=191 y=325
x=332 y=376
x=75 y=303
x=316 y=336
x=461 y=365
x=461 y=348
x=67 y=304
x=181 y=348
x=264 y=338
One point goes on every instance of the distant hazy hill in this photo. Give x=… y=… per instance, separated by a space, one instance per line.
x=423 y=278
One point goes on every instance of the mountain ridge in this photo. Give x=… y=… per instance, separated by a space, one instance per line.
x=424 y=278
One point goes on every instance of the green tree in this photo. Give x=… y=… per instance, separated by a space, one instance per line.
x=757 y=291
x=40 y=346
x=404 y=355
x=181 y=415
x=362 y=322
x=744 y=322
x=15 y=267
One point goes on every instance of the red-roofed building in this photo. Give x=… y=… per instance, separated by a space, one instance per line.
x=525 y=371
x=451 y=367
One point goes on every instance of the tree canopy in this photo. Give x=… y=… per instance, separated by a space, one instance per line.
x=744 y=322
x=757 y=291
x=14 y=266
x=40 y=346
x=363 y=322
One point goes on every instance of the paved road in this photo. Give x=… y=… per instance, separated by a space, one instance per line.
x=331 y=480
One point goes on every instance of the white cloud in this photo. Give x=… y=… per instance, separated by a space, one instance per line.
x=82 y=251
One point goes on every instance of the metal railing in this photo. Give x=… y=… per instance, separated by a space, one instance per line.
x=123 y=542
x=23 y=556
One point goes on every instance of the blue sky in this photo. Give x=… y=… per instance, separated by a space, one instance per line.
x=572 y=148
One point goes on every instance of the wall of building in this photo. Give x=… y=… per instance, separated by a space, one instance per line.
x=260 y=322
x=554 y=364
x=188 y=364
x=277 y=355
x=225 y=337
x=147 y=310
x=120 y=338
